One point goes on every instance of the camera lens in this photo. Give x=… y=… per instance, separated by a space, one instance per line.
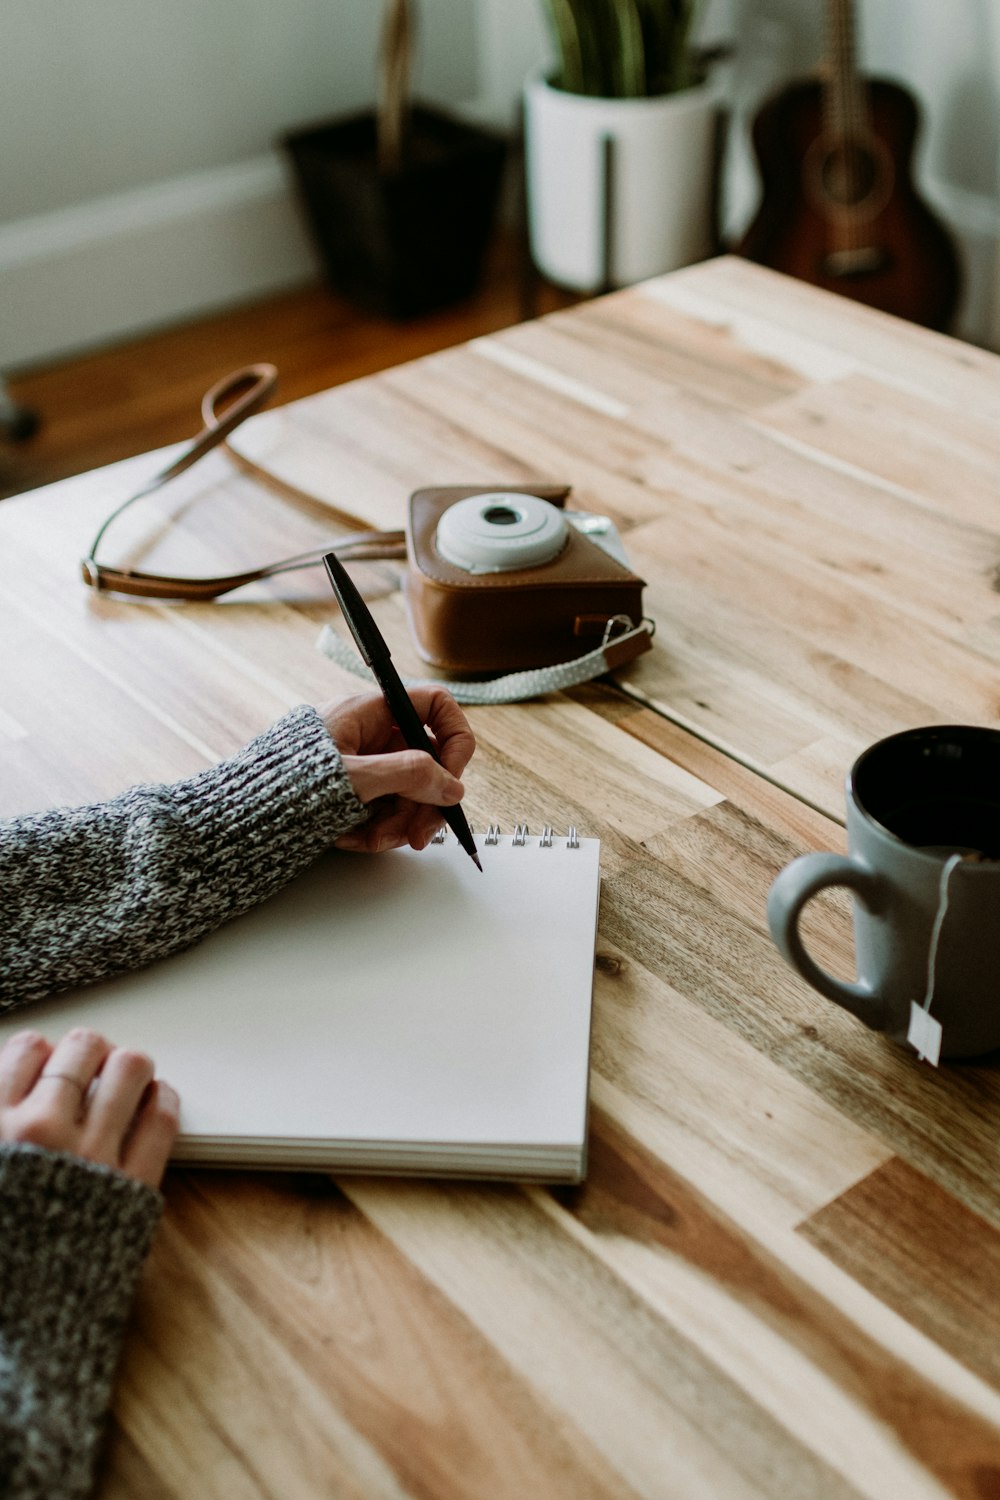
x=497 y=530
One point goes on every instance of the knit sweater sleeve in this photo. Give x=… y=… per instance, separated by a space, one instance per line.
x=89 y=892
x=73 y=1238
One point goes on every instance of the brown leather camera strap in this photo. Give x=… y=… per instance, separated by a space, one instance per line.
x=229 y=402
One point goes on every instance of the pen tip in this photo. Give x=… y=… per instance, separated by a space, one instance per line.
x=478 y=865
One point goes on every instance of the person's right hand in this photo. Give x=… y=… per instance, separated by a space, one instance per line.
x=85 y=1096
x=402 y=788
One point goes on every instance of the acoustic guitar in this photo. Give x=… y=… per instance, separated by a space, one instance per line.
x=839 y=207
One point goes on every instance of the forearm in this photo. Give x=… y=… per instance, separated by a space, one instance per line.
x=89 y=892
x=73 y=1238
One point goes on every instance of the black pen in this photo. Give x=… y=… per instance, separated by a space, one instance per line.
x=375 y=652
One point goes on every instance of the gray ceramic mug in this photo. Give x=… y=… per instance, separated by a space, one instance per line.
x=913 y=801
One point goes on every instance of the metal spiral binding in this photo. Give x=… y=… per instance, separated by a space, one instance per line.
x=440 y=836
x=520 y=836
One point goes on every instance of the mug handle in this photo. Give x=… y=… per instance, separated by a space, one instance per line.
x=798 y=882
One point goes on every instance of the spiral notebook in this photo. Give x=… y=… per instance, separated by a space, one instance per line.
x=397 y=1013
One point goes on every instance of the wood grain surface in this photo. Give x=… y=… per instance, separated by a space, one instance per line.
x=778 y=1278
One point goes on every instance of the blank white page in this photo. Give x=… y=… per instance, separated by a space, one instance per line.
x=400 y=999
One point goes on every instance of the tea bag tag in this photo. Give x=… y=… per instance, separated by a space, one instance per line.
x=924 y=1034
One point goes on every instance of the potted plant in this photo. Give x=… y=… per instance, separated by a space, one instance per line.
x=400 y=200
x=621 y=144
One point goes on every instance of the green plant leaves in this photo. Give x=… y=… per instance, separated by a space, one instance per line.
x=622 y=48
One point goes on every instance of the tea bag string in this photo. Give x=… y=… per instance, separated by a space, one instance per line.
x=952 y=862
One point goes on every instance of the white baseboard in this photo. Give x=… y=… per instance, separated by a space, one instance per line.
x=119 y=266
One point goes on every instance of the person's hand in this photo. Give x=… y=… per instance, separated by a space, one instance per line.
x=402 y=788
x=89 y=1098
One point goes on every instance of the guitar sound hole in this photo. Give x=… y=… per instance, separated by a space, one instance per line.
x=849 y=175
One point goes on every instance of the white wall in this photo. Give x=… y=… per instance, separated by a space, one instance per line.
x=99 y=96
x=138 y=177
x=139 y=183
x=949 y=55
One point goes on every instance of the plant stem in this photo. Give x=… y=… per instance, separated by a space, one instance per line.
x=395 y=68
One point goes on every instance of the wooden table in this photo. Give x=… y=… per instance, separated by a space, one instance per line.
x=780 y=1279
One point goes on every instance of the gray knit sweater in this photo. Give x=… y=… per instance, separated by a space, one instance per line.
x=85 y=893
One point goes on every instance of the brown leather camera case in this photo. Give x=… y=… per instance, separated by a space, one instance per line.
x=476 y=623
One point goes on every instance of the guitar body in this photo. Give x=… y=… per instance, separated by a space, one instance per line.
x=843 y=213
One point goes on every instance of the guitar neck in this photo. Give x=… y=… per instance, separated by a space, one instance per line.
x=845 y=99
x=848 y=181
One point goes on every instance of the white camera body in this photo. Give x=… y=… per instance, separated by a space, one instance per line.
x=498 y=531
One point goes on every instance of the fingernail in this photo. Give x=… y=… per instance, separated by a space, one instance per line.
x=25 y=1038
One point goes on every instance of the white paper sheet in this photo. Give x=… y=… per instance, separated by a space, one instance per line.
x=398 y=1012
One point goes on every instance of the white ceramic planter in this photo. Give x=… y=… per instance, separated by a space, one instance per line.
x=661 y=213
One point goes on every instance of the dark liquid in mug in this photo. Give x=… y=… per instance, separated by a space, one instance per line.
x=936 y=788
x=950 y=826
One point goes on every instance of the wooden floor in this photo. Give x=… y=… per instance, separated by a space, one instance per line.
x=139 y=395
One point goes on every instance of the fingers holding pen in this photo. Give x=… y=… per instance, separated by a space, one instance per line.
x=410 y=774
x=363 y=726
x=393 y=824
x=403 y=789
x=452 y=733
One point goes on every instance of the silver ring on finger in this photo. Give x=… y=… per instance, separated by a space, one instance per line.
x=65 y=1078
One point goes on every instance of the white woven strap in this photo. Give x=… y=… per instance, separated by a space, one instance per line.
x=513 y=688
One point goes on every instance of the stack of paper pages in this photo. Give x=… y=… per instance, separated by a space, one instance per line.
x=394 y=1013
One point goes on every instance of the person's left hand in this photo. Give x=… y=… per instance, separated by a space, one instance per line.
x=89 y=1098
x=403 y=789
